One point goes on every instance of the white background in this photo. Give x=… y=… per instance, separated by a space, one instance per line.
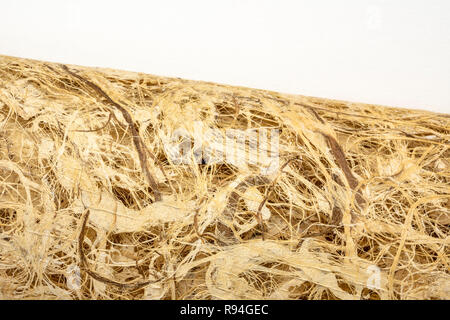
x=383 y=52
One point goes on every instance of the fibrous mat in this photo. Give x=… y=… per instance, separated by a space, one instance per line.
x=347 y=201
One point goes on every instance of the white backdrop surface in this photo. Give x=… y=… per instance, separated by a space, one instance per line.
x=393 y=53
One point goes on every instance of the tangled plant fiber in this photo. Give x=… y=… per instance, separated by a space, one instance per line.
x=92 y=206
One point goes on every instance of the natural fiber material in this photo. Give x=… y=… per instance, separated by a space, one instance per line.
x=93 y=207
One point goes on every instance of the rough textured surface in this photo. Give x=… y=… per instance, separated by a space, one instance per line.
x=92 y=206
